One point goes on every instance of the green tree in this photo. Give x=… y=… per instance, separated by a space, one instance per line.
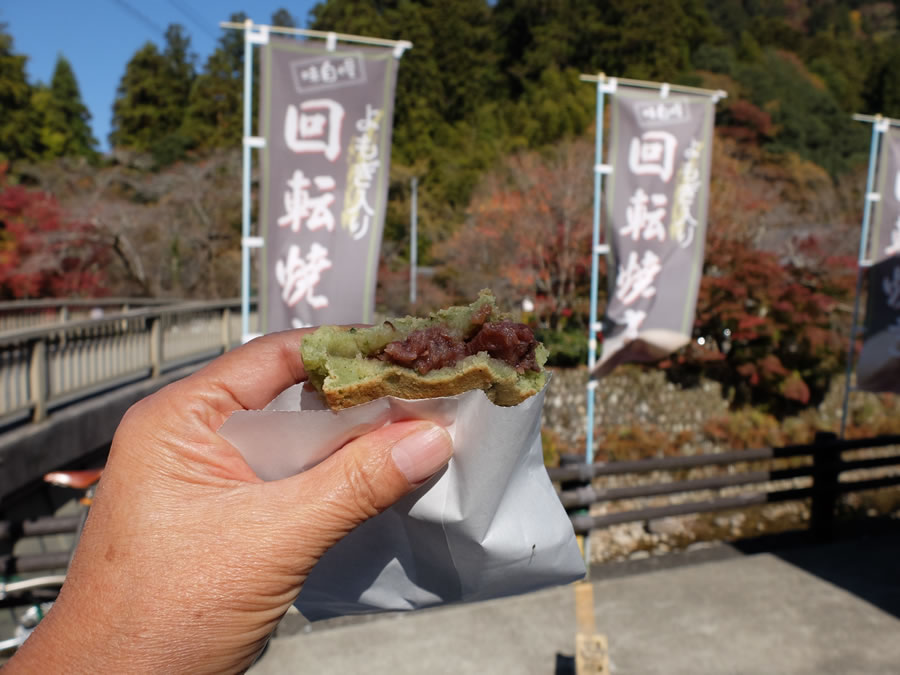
x=65 y=121
x=138 y=111
x=882 y=93
x=153 y=94
x=19 y=125
x=282 y=17
x=214 y=115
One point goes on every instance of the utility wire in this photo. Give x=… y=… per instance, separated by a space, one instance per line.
x=194 y=18
x=140 y=16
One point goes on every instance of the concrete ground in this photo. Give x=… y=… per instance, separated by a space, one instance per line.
x=819 y=610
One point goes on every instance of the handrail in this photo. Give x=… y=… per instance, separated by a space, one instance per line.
x=48 y=366
x=56 y=303
x=586 y=472
x=824 y=472
x=23 y=314
x=39 y=332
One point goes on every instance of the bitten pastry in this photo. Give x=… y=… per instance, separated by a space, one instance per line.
x=447 y=353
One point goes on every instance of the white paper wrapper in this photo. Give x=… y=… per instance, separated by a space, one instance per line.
x=489 y=525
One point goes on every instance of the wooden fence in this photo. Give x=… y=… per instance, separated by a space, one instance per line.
x=824 y=466
x=821 y=462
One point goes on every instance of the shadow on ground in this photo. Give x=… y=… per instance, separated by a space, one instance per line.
x=861 y=558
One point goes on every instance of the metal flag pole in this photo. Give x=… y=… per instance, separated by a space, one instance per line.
x=597 y=249
x=251 y=37
x=879 y=126
x=413 y=243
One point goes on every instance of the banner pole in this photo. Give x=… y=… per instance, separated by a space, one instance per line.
x=595 y=273
x=413 y=243
x=861 y=263
x=245 y=185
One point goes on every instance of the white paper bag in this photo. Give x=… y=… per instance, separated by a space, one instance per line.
x=489 y=525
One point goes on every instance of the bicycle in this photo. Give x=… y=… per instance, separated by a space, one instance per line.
x=38 y=594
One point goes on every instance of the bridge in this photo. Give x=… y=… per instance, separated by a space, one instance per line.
x=70 y=369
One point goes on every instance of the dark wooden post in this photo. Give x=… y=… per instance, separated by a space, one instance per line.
x=826 y=468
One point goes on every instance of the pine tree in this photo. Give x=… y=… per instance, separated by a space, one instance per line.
x=19 y=125
x=65 y=130
x=139 y=111
x=282 y=17
x=214 y=115
x=180 y=66
x=153 y=95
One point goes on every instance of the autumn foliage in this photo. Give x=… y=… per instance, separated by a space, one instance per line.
x=41 y=254
x=527 y=236
x=772 y=332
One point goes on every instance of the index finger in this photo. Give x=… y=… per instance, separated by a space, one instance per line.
x=250 y=376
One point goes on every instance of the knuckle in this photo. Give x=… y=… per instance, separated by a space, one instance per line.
x=361 y=484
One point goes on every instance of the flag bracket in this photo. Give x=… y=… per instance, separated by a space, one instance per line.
x=257 y=36
x=401 y=47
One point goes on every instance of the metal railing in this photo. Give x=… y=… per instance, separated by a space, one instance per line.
x=46 y=367
x=821 y=462
x=20 y=314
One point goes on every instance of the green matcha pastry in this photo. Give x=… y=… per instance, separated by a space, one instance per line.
x=447 y=353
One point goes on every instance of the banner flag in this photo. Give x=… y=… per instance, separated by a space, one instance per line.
x=886 y=230
x=878 y=368
x=326 y=117
x=661 y=150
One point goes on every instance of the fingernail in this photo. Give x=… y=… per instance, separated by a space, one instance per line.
x=422 y=453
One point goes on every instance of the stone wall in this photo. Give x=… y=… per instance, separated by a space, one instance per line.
x=643 y=397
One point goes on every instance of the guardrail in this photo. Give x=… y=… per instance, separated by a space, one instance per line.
x=43 y=368
x=822 y=462
x=20 y=314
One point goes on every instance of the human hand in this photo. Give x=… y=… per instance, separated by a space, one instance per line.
x=188 y=560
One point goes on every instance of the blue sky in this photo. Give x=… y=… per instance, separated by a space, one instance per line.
x=100 y=36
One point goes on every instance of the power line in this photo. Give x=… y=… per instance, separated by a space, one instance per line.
x=198 y=21
x=140 y=16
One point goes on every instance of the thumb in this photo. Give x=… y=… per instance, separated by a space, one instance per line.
x=367 y=476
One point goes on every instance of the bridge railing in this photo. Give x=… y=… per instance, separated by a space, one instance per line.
x=20 y=314
x=46 y=367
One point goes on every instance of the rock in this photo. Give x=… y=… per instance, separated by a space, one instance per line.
x=666 y=526
x=700 y=545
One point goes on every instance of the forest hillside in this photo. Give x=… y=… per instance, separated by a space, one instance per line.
x=492 y=119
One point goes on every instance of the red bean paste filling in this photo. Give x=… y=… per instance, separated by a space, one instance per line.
x=435 y=347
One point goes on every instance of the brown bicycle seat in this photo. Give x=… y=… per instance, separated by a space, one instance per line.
x=78 y=480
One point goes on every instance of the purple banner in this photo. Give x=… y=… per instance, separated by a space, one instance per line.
x=878 y=368
x=326 y=117
x=886 y=223
x=655 y=222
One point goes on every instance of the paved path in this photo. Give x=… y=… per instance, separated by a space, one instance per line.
x=816 y=611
